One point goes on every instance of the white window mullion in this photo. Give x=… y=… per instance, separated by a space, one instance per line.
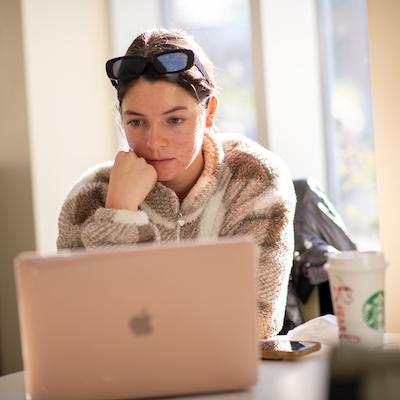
x=292 y=84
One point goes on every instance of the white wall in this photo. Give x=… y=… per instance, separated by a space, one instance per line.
x=16 y=211
x=70 y=104
x=384 y=41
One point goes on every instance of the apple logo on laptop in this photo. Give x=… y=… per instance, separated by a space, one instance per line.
x=140 y=324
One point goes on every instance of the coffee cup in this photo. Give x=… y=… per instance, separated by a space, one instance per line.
x=356 y=280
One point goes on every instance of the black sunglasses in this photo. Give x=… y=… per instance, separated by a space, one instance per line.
x=166 y=62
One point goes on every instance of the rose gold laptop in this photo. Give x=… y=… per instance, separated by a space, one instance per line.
x=145 y=321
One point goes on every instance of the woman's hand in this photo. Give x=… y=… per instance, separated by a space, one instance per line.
x=131 y=180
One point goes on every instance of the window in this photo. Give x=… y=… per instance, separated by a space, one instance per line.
x=229 y=21
x=348 y=116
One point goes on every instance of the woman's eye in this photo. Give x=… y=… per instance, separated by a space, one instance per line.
x=175 y=120
x=136 y=123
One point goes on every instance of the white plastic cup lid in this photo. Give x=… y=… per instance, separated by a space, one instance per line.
x=356 y=260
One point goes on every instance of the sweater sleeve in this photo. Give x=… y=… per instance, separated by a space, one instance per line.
x=262 y=208
x=85 y=222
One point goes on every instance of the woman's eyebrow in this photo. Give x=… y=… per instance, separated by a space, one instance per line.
x=177 y=108
x=132 y=112
x=173 y=109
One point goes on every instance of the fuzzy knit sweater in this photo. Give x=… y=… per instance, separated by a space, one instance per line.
x=244 y=190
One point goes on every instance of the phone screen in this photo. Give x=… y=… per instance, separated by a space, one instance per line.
x=284 y=345
x=286 y=348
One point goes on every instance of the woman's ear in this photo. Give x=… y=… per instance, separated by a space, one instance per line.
x=211 y=110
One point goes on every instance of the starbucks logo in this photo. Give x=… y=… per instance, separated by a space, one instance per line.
x=374 y=311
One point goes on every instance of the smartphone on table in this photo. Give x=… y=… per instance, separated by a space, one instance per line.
x=286 y=349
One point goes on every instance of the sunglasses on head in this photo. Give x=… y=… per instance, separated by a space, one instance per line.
x=166 y=62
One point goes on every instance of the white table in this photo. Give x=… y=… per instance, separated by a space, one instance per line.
x=306 y=378
x=285 y=380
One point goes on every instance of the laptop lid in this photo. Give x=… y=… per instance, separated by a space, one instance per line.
x=144 y=321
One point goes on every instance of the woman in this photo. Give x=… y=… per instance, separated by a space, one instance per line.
x=179 y=180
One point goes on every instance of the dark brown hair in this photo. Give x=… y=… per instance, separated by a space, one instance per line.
x=158 y=40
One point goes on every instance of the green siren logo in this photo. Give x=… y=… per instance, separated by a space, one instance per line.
x=374 y=311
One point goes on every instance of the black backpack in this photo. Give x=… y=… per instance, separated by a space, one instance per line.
x=318 y=230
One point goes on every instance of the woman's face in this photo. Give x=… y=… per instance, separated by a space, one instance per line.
x=165 y=125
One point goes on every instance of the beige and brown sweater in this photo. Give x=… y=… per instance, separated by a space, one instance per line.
x=244 y=190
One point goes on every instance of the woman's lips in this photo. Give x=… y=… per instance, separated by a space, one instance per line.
x=159 y=162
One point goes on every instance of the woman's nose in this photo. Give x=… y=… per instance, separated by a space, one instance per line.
x=155 y=138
